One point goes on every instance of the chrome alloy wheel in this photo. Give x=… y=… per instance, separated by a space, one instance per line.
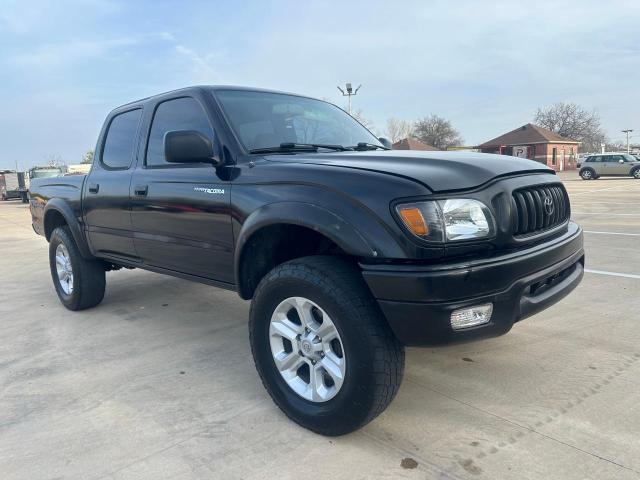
x=64 y=269
x=307 y=349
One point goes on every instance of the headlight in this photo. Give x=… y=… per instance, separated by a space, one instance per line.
x=447 y=220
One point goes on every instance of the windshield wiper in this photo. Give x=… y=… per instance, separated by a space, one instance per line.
x=298 y=147
x=368 y=146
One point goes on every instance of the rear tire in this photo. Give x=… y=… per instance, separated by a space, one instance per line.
x=372 y=358
x=79 y=282
x=588 y=174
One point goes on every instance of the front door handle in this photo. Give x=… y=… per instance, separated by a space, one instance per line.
x=94 y=187
x=141 y=190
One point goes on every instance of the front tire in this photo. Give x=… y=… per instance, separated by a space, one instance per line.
x=636 y=173
x=322 y=347
x=79 y=282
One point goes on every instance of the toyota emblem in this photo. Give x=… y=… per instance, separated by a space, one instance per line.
x=548 y=205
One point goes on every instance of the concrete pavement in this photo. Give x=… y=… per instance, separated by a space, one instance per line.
x=158 y=381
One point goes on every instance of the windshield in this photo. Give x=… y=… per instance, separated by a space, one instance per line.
x=629 y=158
x=264 y=120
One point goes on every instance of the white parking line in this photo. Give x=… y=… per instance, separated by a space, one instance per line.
x=607 y=213
x=589 y=202
x=612 y=233
x=600 y=190
x=614 y=274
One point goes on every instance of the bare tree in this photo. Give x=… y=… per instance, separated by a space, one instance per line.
x=398 y=129
x=615 y=146
x=359 y=116
x=53 y=160
x=437 y=131
x=87 y=157
x=572 y=121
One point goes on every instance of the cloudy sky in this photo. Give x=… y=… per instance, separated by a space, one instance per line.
x=485 y=65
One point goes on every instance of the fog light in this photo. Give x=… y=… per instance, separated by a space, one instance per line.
x=472 y=316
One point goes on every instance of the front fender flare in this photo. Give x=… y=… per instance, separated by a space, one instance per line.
x=323 y=221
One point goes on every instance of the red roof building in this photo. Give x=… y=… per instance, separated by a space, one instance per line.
x=536 y=143
x=412 y=144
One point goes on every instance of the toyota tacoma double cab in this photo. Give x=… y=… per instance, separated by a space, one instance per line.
x=348 y=250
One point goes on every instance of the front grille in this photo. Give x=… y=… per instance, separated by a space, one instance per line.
x=539 y=208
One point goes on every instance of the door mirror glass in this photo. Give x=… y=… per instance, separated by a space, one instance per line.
x=188 y=146
x=385 y=142
x=621 y=161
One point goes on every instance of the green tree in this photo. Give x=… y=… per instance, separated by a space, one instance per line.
x=87 y=157
x=437 y=131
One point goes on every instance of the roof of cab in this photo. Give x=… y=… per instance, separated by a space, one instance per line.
x=206 y=87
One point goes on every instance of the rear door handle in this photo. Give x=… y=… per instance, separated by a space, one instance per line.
x=141 y=190
x=94 y=187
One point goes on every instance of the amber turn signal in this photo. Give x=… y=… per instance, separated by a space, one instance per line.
x=413 y=219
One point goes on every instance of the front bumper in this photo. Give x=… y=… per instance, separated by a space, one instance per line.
x=418 y=300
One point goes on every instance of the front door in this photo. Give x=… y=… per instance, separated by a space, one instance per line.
x=106 y=200
x=181 y=212
x=617 y=166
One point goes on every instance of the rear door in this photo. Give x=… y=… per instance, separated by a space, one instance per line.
x=181 y=212
x=598 y=163
x=106 y=197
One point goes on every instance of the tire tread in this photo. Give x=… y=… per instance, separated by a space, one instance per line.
x=343 y=281
x=90 y=273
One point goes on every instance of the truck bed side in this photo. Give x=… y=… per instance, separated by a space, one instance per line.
x=62 y=194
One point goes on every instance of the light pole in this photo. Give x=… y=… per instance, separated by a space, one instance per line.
x=349 y=93
x=627 y=132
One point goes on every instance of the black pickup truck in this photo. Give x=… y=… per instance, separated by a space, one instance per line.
x=349 y=251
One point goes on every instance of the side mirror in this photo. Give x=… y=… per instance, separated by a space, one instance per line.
x=188 y=146
x=385 y=141
x=620 y=161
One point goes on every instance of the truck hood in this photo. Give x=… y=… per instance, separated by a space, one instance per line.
x=438 y=171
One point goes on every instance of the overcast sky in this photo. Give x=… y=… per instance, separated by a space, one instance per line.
x=484 y=65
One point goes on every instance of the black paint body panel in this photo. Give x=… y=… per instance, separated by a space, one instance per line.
x=194 y=220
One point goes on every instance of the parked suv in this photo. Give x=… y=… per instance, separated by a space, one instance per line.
x=610 y=164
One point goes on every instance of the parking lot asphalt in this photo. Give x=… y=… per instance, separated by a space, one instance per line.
x=158 y=381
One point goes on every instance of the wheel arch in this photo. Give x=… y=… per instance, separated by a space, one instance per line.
x=265 y=231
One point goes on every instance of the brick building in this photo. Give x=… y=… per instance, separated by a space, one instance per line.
x=536 y=143
x=412 y=144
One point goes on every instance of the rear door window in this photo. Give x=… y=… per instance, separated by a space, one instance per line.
x=120 y=141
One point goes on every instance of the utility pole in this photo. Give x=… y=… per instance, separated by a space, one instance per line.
x=349 y=93
x=627 y=132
